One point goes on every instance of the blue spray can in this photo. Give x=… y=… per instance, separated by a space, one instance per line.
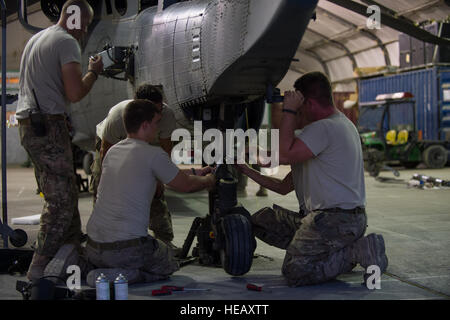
x=102 y=288
x=121 y=288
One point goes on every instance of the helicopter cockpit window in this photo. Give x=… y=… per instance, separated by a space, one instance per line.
x=121 y=6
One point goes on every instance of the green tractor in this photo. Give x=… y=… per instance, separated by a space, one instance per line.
x=389 y=134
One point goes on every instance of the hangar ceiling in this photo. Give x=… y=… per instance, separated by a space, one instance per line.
x=339 y=42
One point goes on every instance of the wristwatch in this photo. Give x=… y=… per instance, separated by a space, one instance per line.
x=94 y=72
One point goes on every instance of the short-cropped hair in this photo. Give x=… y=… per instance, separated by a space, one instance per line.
x=149 y=92
x=137 y=112
x=317 y=86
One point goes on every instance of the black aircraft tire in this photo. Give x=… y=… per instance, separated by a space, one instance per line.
x=237 y=254
x=435 y=157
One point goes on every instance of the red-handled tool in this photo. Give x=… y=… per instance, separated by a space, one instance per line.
x=253 y=287
x=172 y=288
x=161 y=292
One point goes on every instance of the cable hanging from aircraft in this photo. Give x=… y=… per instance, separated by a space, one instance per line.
x=117 y=60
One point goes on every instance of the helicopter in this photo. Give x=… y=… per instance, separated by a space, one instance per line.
x=216 y=60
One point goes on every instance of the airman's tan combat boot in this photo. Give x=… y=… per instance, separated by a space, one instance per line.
x=66 y=256
x=176 y=250
x=370 y=250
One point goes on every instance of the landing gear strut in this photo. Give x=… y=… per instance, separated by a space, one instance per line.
x=225 y=236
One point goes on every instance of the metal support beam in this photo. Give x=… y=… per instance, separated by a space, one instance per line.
x=386 y=10
x=299 y=70
x=357 y=52
x=366 y=33
x=396 y=23
x=23 y=17
x=337 y=44
x=3 y=120
x=344 y=35
x=401 y=14
x=315 y=56
x=424 y=6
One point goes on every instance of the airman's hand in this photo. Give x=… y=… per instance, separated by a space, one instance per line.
x=96 y=64
x=206 y=170
x=264 y=165
x=293 y=100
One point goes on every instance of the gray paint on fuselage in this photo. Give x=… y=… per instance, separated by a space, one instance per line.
x=201 y=51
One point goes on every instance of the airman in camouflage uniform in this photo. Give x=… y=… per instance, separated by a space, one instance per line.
x=160 y=219
x=53 y=165
x=152 y=259
x=326 y=237
x=118 y=227
x=50 y=61
x=318 y=245
x=111 y=130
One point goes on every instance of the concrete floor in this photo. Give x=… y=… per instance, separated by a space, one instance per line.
x=415 y=224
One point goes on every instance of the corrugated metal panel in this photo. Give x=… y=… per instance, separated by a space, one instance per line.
x=444 y=101
x=423 y=84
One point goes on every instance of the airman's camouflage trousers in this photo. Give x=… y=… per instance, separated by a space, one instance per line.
x=153 y=258
x=160 y=218
x=318 y=245
x=96 y=170
x=53 y=164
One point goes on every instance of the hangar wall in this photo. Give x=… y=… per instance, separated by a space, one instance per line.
x=17 y=37
x=15 y=153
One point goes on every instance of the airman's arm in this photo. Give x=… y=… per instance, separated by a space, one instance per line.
x=190 y=183
x=279 y=186
x=77 y=87
x=292 y=149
